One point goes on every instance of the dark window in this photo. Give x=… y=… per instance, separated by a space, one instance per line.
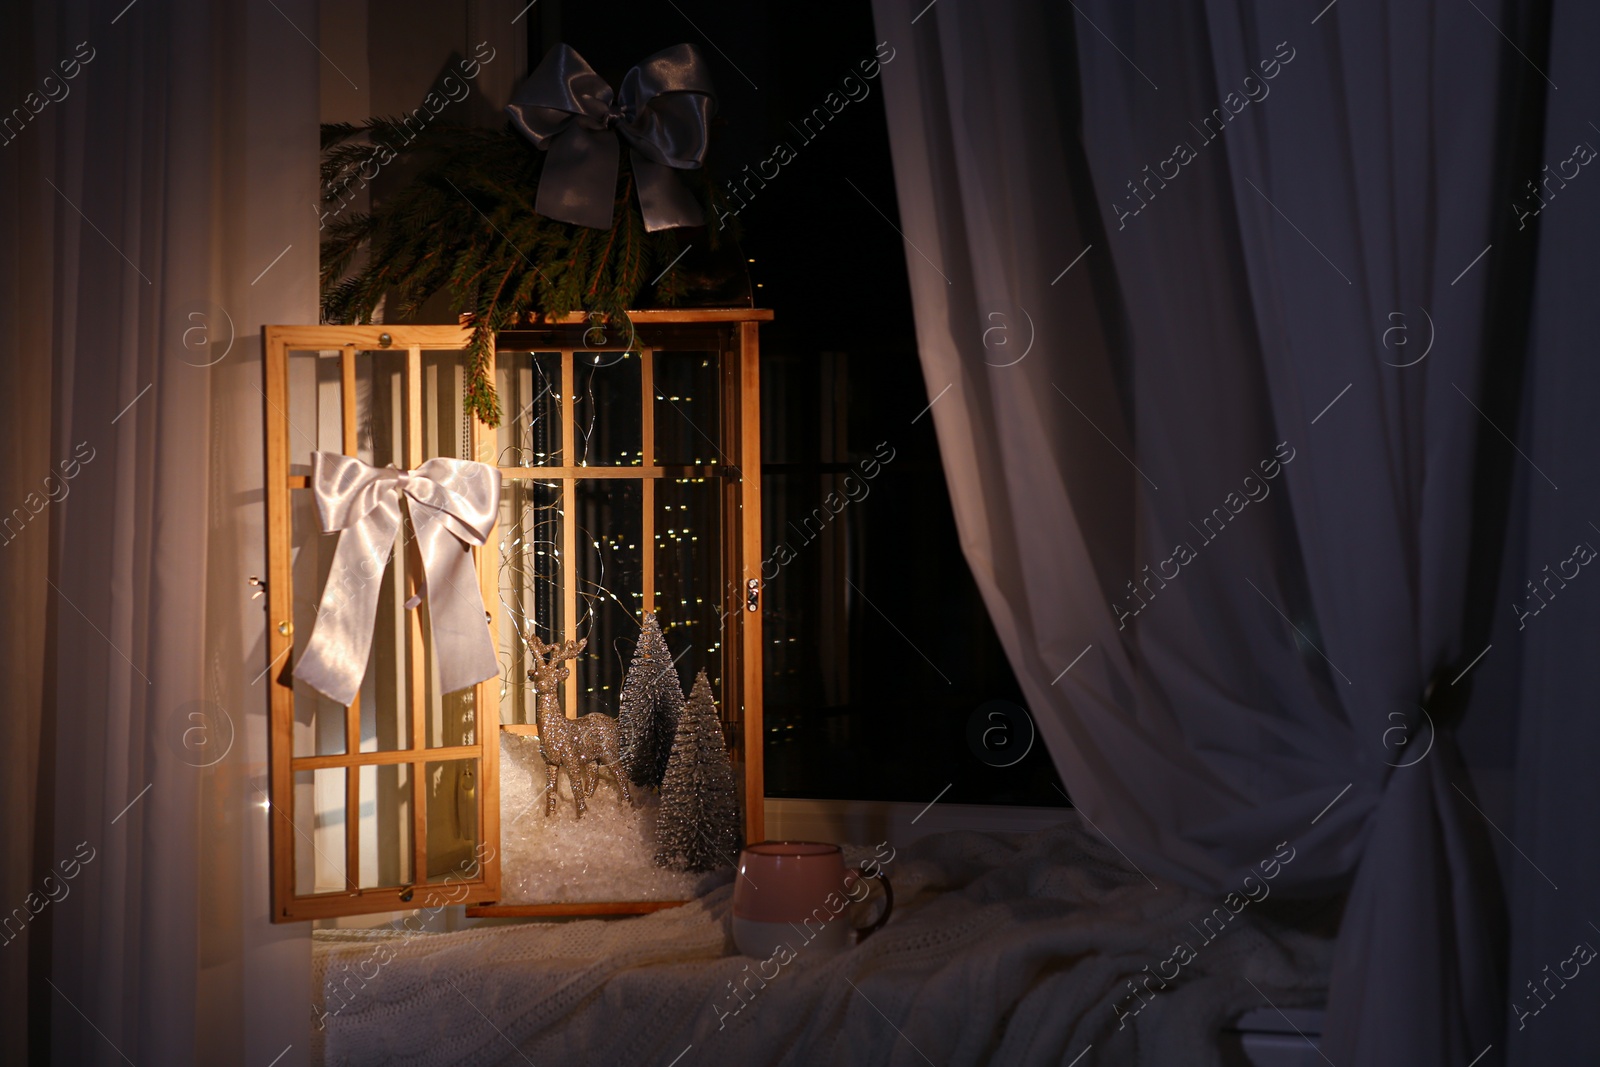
x=879 y=651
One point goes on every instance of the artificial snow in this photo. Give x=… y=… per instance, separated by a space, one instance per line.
x=607 y=855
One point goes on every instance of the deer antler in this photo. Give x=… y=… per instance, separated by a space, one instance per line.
x=550 y=655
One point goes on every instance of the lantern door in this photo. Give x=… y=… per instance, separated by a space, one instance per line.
x=631 y=485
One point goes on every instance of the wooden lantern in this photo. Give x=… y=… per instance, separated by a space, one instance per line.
x=630 y=481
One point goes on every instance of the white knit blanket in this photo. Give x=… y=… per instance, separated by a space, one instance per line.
x=1003 y=949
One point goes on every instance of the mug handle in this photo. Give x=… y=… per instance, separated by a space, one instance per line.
x=862 y=932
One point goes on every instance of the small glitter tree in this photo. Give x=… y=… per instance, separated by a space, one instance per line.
x=649 y=707
x=698 y=825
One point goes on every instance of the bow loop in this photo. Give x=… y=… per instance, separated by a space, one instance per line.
x=663 y=112
x=453 y=505
x=346 y=489
x=463 y=494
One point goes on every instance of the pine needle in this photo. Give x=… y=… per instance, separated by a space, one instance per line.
x=466 y=217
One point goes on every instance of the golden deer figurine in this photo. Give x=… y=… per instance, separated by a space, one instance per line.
x=582 y=745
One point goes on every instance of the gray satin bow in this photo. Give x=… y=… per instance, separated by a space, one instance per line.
x=453 y=505
x=663 y=112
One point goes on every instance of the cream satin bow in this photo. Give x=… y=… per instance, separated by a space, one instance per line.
x=453 y=505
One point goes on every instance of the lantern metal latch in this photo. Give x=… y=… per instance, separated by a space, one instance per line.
x=752 y=597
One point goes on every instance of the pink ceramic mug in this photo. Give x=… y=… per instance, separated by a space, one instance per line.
x=799 y=894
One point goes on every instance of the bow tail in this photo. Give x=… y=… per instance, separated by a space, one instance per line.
x=335 y=659
x=579 y=181
x=463 y=649
x=663 y=197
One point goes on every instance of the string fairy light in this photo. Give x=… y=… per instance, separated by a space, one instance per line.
x=529 y=580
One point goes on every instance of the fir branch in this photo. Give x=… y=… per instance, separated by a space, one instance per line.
x=465 y=225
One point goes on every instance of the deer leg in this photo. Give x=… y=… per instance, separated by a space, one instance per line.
x=613 y=760
x=550 y=771
x=577 y=786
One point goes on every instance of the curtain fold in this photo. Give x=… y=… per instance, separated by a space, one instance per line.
x=25 y=388
x=1556 y=863
x=1220 y=513
x=163 y=200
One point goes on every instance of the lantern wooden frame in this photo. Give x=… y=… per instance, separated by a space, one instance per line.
x=732 y=333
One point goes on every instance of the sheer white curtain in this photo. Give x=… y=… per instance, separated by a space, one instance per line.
x=1222 y=531
x=161 y=203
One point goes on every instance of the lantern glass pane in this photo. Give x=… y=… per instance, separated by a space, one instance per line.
x=529 y=585
x=607 y=417
x=452 y=792
x=688 y=409
x=692 y=596
x=531 y=427
x=319 y=822
x=385 y=825
x=610 y=581
x=446 y=430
